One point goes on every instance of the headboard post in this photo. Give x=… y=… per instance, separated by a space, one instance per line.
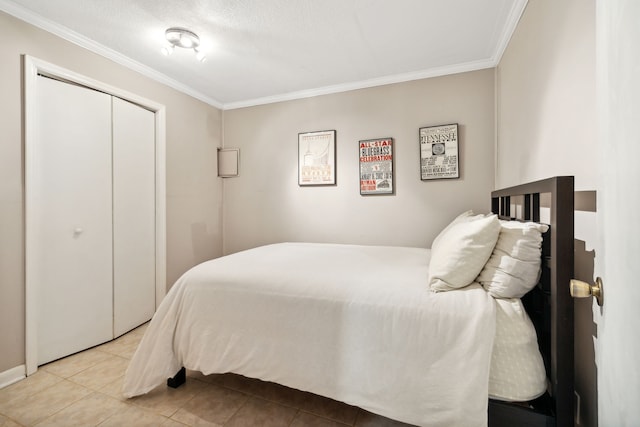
x=562 y=223
x=558 y=325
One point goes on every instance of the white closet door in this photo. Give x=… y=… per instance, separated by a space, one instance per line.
x=72 y=261
x=133 y=215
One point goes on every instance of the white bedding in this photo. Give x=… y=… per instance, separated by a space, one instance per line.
x=517 y=371
x=354 y=323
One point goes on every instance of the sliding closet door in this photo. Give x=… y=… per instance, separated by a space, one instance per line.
x=72 y=255
x=133 y=215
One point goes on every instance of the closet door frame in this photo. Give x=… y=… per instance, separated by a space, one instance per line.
x=34 y=67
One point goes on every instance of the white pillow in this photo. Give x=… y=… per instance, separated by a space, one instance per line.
x=514 y=267
x=460 y=251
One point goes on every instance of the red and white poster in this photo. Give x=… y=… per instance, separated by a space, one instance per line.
x=376 y=166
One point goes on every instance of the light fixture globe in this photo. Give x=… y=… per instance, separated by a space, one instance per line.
x=167 y=50
x=199 y=55
x=181 y=37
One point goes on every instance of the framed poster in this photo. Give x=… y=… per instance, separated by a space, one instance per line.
x=317 y=158
x=376 y=166
x=439 y=155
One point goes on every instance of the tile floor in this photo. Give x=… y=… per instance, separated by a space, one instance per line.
x=84 y=390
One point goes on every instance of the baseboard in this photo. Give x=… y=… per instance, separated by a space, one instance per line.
x=12 y=375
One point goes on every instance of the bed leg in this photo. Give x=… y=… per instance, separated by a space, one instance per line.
x=178 y=379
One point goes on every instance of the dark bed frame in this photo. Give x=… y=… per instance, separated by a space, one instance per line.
x=549 y=305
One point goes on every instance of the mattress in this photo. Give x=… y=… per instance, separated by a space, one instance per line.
x=354 y=323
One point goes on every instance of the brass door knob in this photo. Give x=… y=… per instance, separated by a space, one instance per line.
x=580 y=289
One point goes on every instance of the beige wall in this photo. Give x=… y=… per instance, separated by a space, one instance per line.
x=266 y=205
x=546 y=96
x=546 y=126
x=194 y=193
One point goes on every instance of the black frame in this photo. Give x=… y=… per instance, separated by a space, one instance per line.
x=441 y=146
x=390 y=180
x=549 y=304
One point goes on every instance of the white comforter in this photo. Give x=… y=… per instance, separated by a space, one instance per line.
x=354 y=323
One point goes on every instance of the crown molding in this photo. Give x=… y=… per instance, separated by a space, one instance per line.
x=364 y=84
x=517 y=9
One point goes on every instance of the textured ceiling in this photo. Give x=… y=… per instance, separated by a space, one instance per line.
x=261 y=51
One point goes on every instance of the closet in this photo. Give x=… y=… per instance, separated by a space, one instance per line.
x=91 y=226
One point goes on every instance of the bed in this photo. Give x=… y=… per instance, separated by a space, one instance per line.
x=413 y=334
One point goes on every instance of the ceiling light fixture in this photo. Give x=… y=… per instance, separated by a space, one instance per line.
x=181 y=37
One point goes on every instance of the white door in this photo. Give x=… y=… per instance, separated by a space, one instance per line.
x=618 y=345
x=72 y=258
x=134 y=223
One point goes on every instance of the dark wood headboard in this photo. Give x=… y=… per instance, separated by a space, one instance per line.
x=549 y=305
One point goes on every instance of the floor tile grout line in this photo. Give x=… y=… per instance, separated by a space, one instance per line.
x=68 y=379
x=294 y=417
x=323 y=417
x=47 y=387
x=328 y=418
x=75 y=373
x=239 y=407
x=134 y=404
x=287 y=405
x=66 y=406
x=100 y=386
x=131 y=405
x=12 y=419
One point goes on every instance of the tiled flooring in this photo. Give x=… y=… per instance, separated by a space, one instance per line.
x=84 y=390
